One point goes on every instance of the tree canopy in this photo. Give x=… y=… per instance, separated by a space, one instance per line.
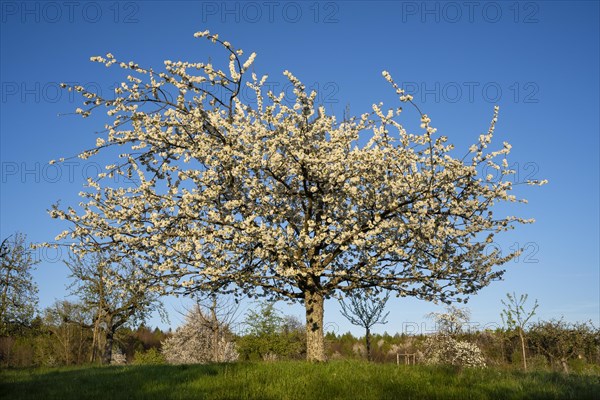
x=285 y=200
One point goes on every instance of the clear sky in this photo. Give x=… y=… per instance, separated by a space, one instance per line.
x=539 y=61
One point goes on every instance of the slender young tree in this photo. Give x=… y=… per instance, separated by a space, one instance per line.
x=365 y=311
x=516 y=316
x=280 y=199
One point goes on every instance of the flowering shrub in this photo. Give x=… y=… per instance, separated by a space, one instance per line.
x=199 y=341
x=118 y=358
x=442 y=349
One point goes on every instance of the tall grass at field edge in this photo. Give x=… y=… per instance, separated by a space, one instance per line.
x=291 y=380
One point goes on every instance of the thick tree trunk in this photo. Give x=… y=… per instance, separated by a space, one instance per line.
x=315 y=344
x=368 y=343
x=108 y=345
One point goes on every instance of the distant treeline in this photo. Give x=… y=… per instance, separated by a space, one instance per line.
x=54 y=340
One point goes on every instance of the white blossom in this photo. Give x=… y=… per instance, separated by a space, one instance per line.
x=443 y=349
x=196 y=343
x=281 y=199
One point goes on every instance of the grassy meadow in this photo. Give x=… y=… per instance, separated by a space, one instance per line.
x=291 y=380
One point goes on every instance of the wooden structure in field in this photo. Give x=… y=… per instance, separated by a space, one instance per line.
x=407 y=358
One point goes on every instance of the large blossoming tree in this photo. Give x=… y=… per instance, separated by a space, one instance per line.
x=279 y=199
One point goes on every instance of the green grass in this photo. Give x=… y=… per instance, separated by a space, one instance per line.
x=291 y=380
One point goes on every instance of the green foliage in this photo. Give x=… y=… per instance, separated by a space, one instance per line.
x=538 y=363
x=18 y=291
x=292 y=380
x=127 y=300
x=150 y=357
x=62 y=338
x=139 y=340
x=514 y=314
x=271 y=336
x=491 y=343
x=68 y=325
x=37 y=348
x=561 y=341
x=55 y=341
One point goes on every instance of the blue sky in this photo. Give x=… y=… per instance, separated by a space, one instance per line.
x=539 y=61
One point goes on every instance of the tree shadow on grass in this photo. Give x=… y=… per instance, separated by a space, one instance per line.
x=115 y=382
x=291 y=380
x=447 y=383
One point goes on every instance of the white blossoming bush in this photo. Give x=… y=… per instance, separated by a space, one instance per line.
x=442 y=349
x=118 y=358
x=199 y=341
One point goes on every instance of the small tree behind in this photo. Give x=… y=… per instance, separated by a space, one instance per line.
x=561 y=341
x=270 y=335
x=452 y=321
x=115 y=292
x=365 y=311
x=18 y=291
x=68 y=324
x=515 y=316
